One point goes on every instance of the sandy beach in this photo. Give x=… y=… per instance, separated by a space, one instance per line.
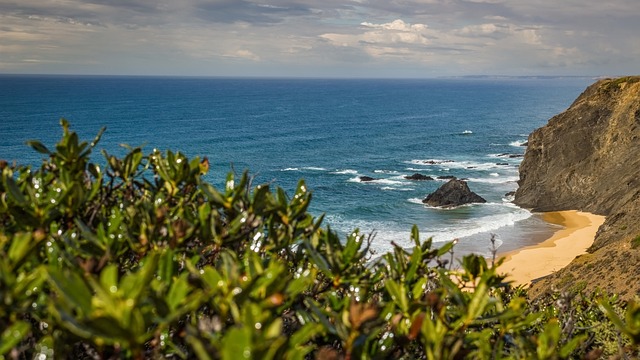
x=578 y=233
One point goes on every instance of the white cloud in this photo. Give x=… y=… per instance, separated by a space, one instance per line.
x=381 y=39
x=242 y=54
x=229 y=37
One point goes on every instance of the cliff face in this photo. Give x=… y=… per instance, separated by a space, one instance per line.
x=588 y=158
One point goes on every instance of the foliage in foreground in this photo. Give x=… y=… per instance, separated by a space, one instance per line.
x=142 y=258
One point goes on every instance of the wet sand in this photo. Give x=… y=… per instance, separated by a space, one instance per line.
x=532 y=262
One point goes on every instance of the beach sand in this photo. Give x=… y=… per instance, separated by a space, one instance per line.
x=533 y=262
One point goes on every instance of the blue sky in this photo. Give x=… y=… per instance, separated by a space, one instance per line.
x=330 y=38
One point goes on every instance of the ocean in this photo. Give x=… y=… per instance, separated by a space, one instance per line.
x=329 y=132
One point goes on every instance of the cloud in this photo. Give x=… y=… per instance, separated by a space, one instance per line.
x=228 y=37
x=231 y=11
x=243 y=54
x=396 y=38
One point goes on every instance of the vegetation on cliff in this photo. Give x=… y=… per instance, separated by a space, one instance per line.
x=139 y=257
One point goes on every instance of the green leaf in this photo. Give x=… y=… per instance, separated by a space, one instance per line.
x=318 y=260
x=212 y=278
x=109 y=329
x=419 y=288
x=13 y=335
x=479 y=301
x=397 y=294
x=326 y=323
x=415 y=235
x=178 y=291
x=445 y=248
x=14 y=191
x=98 y=136
x=109 y=278
x=548 y=340
x=39 y=147
x=75 y=292
x=236 y=344
x=572 y=345
x=213 y=195
x=133 y=284
x=306 y=333
x=21 y=244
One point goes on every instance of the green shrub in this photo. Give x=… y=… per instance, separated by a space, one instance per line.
x=635 y=242
x=142 y=258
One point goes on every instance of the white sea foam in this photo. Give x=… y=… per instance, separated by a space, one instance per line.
x=290 y=169
x=390 y=188
x=495 y=180
x=450 y=164
x=385 y=231
x=494 y=174
x=387 y=182
x=388 y=231
x=484 y=224
x=518 y=142
x=467 y=132
x=429 y=162
x=415 y=201
x=345 y=171
x=385 y=171
x=314 y=168
x=414 y=169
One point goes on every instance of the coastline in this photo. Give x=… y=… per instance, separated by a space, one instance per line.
x=532 y=262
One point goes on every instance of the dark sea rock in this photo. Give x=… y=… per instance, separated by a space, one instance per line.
x=503 y=164
x=525 y=144
x=587 y=158
x=453 y=193
x=367 y=178
x=510 y=193
x=435 y=162
x=418 y=177
x=446 y=177
x=510 y=156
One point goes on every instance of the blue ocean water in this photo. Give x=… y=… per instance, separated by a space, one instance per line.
x=329 y=132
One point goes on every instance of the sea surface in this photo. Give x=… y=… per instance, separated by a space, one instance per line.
x=328 y=132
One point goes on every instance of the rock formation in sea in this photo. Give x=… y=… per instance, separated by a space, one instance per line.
x=588 y=158
x=418 y=177
x=453 y=193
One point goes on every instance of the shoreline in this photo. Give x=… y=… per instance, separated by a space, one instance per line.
x=532 y=262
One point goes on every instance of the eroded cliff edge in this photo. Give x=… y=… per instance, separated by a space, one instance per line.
x=588 y=158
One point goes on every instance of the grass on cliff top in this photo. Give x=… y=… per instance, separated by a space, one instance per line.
x=615 y=84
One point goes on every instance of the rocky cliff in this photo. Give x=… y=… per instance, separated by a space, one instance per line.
x=588 y=158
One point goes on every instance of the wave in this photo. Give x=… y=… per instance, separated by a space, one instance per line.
x=378 y=181
x=462 y=165
x=314 y=168
x=290 y=169
x=467 y=132
x=495 y=180
x=389 y=188
x=483 y=224
x=387 y=182
x=415 y=201
x=518 y=143
x=386 y=172
x=430 y=162
x=388 y=231
x=345 y=171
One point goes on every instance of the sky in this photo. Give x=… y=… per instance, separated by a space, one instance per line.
x=328 y=38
